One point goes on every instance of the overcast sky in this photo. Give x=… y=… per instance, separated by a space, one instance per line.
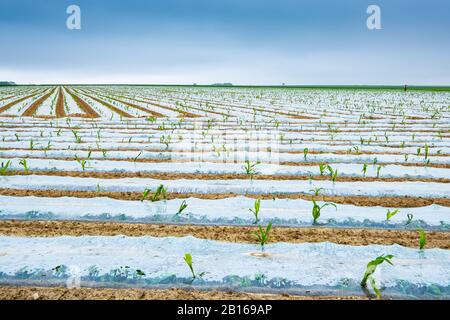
x=238 y=41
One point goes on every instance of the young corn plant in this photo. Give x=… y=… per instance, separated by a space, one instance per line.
x=189 y=262
x=322 y=168
x=364 y=169
x=422 y=239
x=316 y=191
x=4 y=167
x=145 y=194
x=249 y=168
x=160 y=193
x=370 y=270
x=305 y=153
x=23 y=163
x=263 y=234
x=183 y=206
x=81 y=162
x=333 y=173
x=255 y=210
x=317 y=209
x=390 y=214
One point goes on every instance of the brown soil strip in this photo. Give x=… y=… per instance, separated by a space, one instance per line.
x=111 y=107
x=247 y=109
x=87 y=109
x=152 y=113
x=62 y=293
x=13 y=103
x=60 y=111
x=394 y=202
x=31 y=110
x=355 y=237
x=209 y=176
x=185 y=113
x=6 y=98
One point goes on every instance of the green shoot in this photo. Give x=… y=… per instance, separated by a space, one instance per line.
x=378 y=171
x=375 y=288
x=250 y=168
x=316 y=191
x=322 y=168
x=263 y=235
x=145 y=194
x=422 y=239
x=183 y=206
x=188 y=260
x=372 y=266
x=4 y=167
x=390 y=214
x=81 y=162
x=364 y=169
x=255 y=211
x=23 y=163
x=160 y=192
x=305 y=153
x=316 y=209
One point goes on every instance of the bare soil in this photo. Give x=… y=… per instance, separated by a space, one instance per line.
x=61 y=293
x=397 y=202
x=356 y=237
x=210 y=176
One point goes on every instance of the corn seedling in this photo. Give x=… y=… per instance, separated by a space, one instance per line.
x=371 y=268
x=364 y=169
x=263 y=235
x=189 y=262
x=81 y=162
x=23 y=163
x=4 y=167
x=160 y=192
x=322 y=168
x=255 y=211
x=305 y=153
x=422 y=239
x=390 y=214
x=249 y=168
x=316 y=191
x=145 y=194
x=317 y=209
x=378 y=171
x=183 y=206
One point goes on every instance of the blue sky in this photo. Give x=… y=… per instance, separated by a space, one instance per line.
x=238 y=41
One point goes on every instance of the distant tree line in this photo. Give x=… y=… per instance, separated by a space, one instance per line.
x=7 y=83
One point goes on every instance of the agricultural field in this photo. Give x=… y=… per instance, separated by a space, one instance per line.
x=224 y=192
